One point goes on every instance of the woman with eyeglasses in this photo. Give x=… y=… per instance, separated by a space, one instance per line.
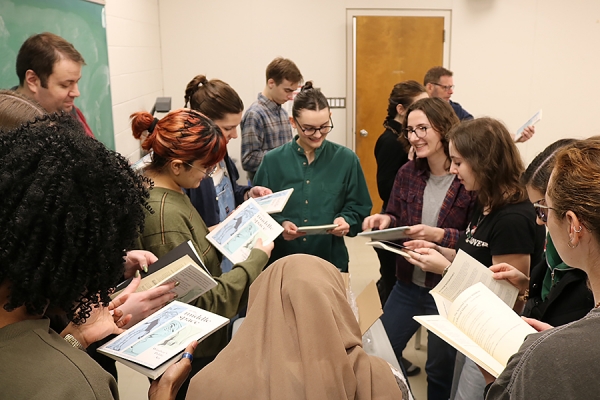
x=219 y=195
x=328 y=182
x=501 y=230
x=186 y=146
x=555 y=293
x=431 y=200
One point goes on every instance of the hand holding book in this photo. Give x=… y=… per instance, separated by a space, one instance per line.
x=142 y=304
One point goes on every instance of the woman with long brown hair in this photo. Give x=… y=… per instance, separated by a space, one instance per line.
x=503 y=227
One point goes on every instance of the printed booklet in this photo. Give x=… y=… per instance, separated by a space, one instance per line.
x=178 y=265
x=476 y=315
x=275 y=202
x=317 y=229
x=235 y=237
x=537 y=117
x=158 y=341
x=387 y=234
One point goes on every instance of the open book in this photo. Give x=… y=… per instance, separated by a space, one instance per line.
x=317 y=229
x=537 y=117
x=476 y=315
x=275 y=202
x=465 y=272
x=158 y=341
x=387 y=234
x=235 y=237
x=178 y=265
x=482 y=327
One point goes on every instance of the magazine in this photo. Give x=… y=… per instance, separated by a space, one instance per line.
x=158 y=341
x=275 y=202
x=235 y=237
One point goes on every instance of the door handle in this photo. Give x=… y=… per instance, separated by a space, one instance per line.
x=364 y=133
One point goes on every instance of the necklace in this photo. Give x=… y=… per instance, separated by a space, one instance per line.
x=471 y=231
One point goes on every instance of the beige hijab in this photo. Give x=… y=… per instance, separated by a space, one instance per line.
x=300 y=340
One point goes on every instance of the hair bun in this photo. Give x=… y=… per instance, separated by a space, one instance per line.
x=307 y=86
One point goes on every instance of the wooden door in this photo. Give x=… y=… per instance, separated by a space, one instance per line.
x=388 y=50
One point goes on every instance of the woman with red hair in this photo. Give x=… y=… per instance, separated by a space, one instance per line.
x=186 y=146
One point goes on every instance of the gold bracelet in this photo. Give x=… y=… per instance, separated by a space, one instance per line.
x=73 y=342
x=446 y=270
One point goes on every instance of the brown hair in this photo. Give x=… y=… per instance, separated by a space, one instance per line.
x=17 y=109
x=487 y=146
x=442 y=118
x=539 y=169
x=434 y=75
x=574 y=185
x=212 y=98
x=282 y=68
x=183 y=134
x=309 y=98
x=40 y=52
x=403 y=93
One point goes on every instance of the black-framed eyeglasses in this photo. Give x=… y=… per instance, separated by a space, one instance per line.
x=209 y=172
x=420 y=131
x=541 y=210
x=446 y=88
x=323 y=130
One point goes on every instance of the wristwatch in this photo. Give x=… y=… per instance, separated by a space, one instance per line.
x=73 y=342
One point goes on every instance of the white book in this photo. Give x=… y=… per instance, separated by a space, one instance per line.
x=537 y=117
x=481 y=326
x=317 y=229
x=275 y=202
x=158 y=341
x=387 y=234
x=236 y=235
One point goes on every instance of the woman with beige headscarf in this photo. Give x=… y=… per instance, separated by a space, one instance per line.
x=299 y=340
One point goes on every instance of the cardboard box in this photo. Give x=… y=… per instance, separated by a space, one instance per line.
x=367 y=302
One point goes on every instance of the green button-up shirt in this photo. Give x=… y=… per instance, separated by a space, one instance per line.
x=332 y=186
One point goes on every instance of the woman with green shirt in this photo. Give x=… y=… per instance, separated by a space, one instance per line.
x=186 y=146
x=328 y=182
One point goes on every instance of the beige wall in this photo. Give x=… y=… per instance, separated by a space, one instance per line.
x=510 y=57
x=133 y=35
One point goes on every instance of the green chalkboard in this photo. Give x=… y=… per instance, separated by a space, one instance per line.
x=81 y=23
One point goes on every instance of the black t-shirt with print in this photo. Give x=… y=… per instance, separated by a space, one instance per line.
x=511 y=229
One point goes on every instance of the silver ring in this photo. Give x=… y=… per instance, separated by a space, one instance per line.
x=187 y=355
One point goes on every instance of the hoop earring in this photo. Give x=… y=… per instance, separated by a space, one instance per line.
x=580 y=228
x=570 y=244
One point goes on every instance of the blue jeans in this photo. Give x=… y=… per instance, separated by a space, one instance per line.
x=226 y=201
x=405 y=301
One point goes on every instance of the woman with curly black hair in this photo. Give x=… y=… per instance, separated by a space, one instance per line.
x=69 y=208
